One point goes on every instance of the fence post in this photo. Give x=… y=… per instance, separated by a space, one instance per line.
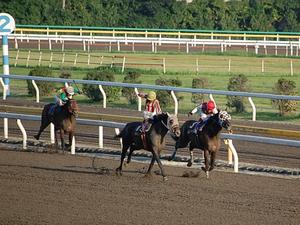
x=17 y=57
x=16 y=43
x=262 y=66
x=118 y=46
x=37 y=91
x=101 y=60
x=75 y=60
x=292 y=70
x=229 y=65
x=175 y=102
x=89 y=58
x=83 y=45
x=139 y=99
x=4 y=88
x=40 y=58
x=197 y=66
x=164 y=65
x=20 y=125
x=73 y=146
x=187 y=47
x=63 y=58
x=123 y=64
x=100 y=136
x=63 y=45
x=52 y=134
x=232 y=150
x=5 y=127
x=39 y=45
x=50 y=61
x=28 y=57
x=103 y=95
x=50 y=45
x=117 y=131
x=253 y=109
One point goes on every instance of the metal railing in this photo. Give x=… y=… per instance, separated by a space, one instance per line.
x=155 y=87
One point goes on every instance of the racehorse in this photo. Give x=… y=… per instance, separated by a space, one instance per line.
x=208 y=139
x=152 y=141
x=64 y=120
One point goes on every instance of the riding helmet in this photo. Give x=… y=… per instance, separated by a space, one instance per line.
x=210 y=105
x=70 y=90
x=151 y=96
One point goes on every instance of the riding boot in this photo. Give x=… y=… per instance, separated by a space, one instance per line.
x=146 y=126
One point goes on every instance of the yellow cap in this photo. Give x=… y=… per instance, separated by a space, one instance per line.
x=151 y=96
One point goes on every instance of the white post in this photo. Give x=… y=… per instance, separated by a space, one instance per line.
x=197 y=65
x=17 y=57
x=101 y=60
x=28 y=57
x=4 y=88
x=118 y=46
x=117 y=131
x=133 y=47
x=292 y=70
x=50 y=46
x=187 y=47
x=229 y=65
x=232 y=150
x=139 y=99
x=75 y=60
x=50 y=61
x=175 y=102
x=89 y=59
x=123 y=64
x=23 y=133
x=16 y=43
x=83 y=44
x=5 y=127
x=73 y=146
x=253 y=109
x=39 y=45
x=104 y=96
x=152 y=44
x=52 y=134
x=62 y=45
x=37 y=91
x=100 y=136
x=256 y=49
x=164 y=65
x=40 y=58
x=63 y=58
x=262 y=66
x=276 y=50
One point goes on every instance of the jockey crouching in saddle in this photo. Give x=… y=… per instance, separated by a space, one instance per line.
x=64 y=94
x=205 y=110
x=152 y=108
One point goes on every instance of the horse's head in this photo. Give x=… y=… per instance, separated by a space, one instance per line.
x=173 y=124
x=224 y=120
x=72 y=107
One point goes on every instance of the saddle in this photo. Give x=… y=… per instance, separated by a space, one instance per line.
x=196 y=126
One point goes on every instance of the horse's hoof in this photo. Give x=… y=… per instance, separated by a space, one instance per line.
x=165 y=179
x=119 y=172
x=204 y=169
x=189 y=164
x=170 y=158
x=207 y=175
x=36 y=137
x=148 y=175
x=211 y=168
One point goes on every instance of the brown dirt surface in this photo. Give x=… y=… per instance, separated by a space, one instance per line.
x=40 y=188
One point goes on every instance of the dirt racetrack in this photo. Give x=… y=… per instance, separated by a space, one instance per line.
x=41 y=188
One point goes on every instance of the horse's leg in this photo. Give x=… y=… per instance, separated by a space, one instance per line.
x=191 y=160
x=123 y=155
x=156 y=157
x=56 y=141
x=206 y=161
x=212 y=160
x=151 y=165
x=44 y=123
x=130 y=154
x=62 y=139
x=71 y=135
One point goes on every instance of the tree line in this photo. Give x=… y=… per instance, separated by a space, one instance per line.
x=242 y=15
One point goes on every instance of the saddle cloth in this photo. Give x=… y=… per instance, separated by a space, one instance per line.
x=197 y=126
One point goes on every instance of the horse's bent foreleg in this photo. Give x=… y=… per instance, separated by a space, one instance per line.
x=206 y=162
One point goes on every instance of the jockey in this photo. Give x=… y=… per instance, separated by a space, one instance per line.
x=64 y=94
x=205 y=110
x=152 y=108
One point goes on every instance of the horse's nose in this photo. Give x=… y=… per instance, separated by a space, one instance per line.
x=177 y=133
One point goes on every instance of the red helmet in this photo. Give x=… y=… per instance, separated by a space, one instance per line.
x=210 y=105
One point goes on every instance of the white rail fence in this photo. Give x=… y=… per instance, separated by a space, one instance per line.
x=291 y=47
x=135 y=88
x=117 y=126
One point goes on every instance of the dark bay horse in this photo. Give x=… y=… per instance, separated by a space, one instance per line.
x=154 y=139
x=207 y=140
x=64 y=120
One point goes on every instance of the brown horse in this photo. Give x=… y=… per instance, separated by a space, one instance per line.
x=208 y=139
x=64 y=120
x=154 y=140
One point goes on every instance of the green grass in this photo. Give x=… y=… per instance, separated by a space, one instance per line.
x=212 y=66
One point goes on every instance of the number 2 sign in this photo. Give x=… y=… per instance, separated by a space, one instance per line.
x=7 y=24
